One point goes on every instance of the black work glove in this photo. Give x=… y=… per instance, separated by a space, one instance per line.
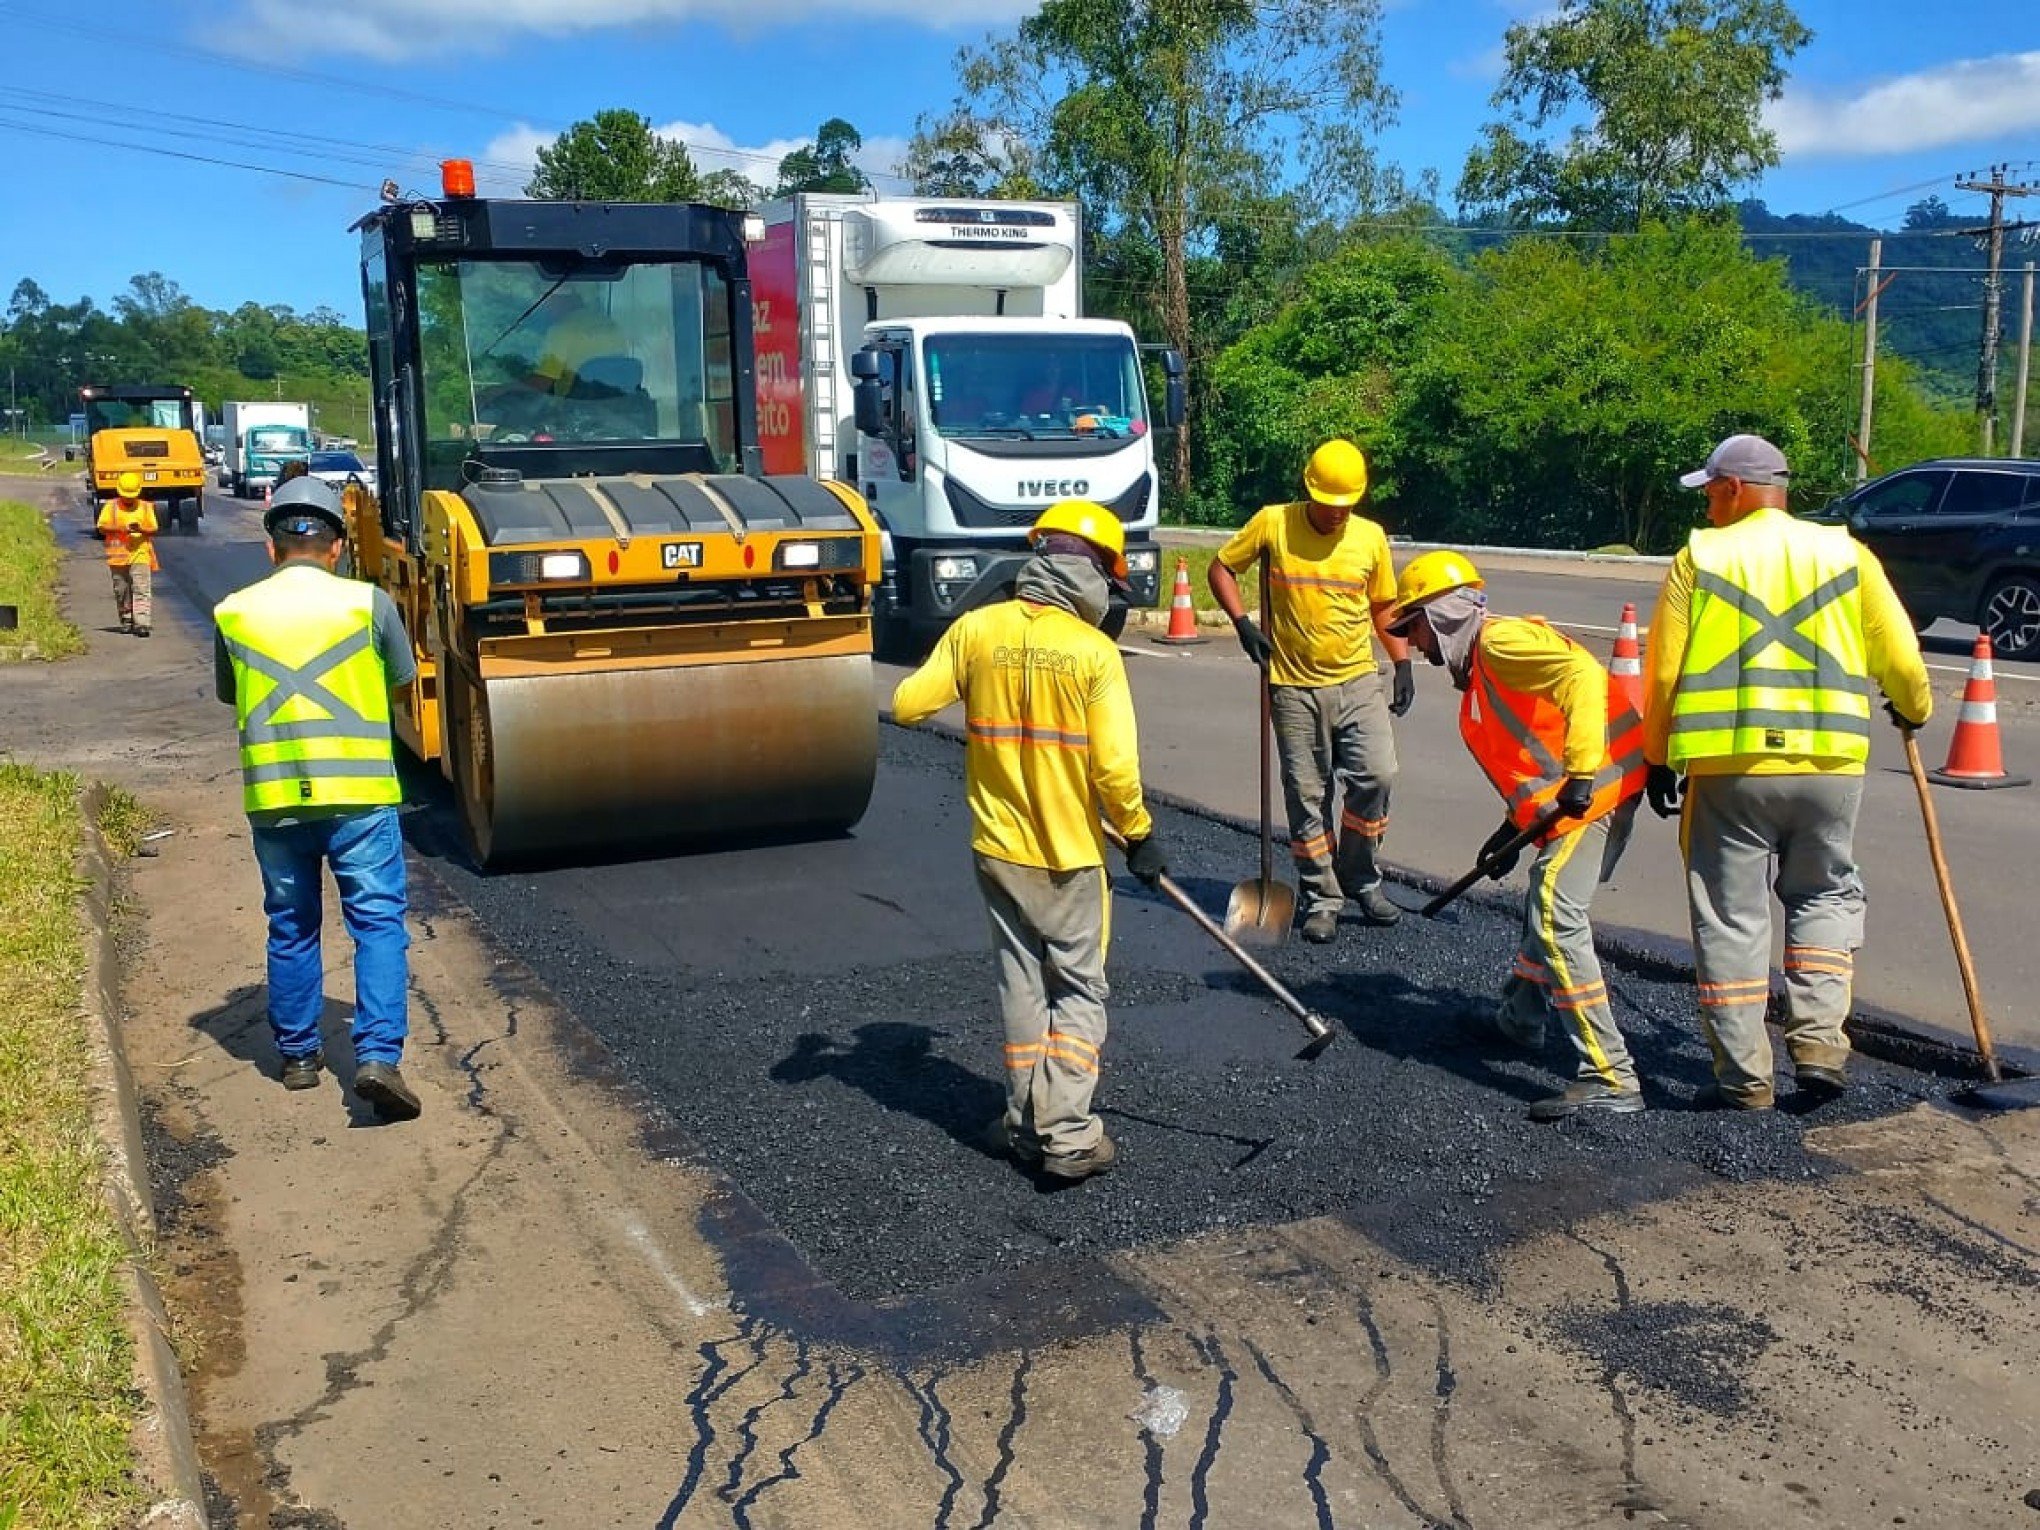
x=1405 y=693
x=1903 y=723
x=1495 y=842
x=1145 y=860
x=1664 y=787
x=1575 y=797
x=1253 y=641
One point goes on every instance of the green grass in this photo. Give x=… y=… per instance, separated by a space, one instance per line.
x=28 y=581
x=67 y=1404
x=18 y=456
x=1200 y=560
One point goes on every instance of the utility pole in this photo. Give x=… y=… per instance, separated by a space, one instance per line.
x=1997 y=188
x=2025 y=364
x=1869 y=362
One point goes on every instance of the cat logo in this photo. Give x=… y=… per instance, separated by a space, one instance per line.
x=680 y=555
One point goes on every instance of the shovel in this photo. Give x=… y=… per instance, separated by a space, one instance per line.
x=1487 y=863
x=1260 y=912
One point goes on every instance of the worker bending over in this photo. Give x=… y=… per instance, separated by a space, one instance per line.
x=127 y=525
x=1330 y=580
x=1537 y=717
x=1051 y=745
x=1768 y=634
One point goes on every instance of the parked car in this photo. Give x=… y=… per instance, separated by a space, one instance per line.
x=342 y=468
x=1960 y=537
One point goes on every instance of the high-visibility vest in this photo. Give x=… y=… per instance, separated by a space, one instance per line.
x=311 y=693
x=1775 y=661
x=1518 y=740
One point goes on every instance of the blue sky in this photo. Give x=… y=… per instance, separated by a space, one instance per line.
x=1879 y=102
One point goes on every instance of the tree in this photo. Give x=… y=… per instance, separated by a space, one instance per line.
x=730 y=188
x=615 y=156
x=825 y=164
x=1673 y=92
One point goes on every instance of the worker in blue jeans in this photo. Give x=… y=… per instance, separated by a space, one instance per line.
x=308 y=659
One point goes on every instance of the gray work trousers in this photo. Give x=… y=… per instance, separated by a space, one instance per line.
x=1334 y=741
x=1049 y=930
x=1734 y=829
x=1556 y=969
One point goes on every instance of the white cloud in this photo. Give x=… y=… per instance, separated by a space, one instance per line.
x=405 y=29
x=1966 y=101
x=506 y=163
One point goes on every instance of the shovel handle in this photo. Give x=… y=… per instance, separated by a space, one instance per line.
x=1487 y=863
x=1967 y=967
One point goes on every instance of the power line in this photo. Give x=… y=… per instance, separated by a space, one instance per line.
x=203 y=159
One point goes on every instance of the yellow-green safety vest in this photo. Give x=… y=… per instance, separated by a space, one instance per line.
x=311 y=694
x=1775 y=661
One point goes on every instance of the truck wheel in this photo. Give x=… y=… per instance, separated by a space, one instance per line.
x=194 y=507
x=2011 y=615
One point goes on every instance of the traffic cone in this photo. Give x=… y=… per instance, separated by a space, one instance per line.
x=1975 y=759
x=1625 y=666
x=1182 y=614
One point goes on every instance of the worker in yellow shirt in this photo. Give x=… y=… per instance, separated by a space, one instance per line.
x=1768 y=636
x=1330 y=582
x=1537 y=717
x=1050 y=747
x=127 y=525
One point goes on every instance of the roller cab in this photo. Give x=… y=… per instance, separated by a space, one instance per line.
x=628 y=635
x=151 y=432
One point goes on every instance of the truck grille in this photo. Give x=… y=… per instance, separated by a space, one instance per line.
x=982 y=515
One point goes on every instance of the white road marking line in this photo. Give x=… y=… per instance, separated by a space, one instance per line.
x=1149 y=653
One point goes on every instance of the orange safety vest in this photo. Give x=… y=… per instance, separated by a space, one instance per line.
x=1518 y=740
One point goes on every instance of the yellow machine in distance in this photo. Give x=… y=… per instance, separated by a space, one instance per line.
x=152 y=432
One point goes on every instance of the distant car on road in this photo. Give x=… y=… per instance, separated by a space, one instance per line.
x=342 y=468
x=1960 y=537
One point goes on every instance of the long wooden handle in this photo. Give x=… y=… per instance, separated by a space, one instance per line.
x=1963 y=962
x=1266 y=741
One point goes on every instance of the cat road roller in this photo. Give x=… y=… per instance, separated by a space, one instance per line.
x=628 y=636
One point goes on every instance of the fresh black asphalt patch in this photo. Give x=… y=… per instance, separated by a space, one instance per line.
x=819 y=1019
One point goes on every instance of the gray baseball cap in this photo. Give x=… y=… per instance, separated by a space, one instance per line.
x=1750 y=458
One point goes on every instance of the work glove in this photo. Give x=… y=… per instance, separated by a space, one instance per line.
x=1145 y=860
x=1664 y=787
x=1405 y=693
x=1495 y=842
x=1903 y=723
x=1575 y=797
x=1253 y=641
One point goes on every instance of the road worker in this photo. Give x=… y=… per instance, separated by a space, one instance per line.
x=1767 y=637
x=1536 y=713
x=1050 y=747
x=308 y=660
x=127 y=525
x=1331 y=580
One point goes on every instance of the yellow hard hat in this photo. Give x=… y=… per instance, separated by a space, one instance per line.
x=1426 y=577
x=1336 y=473
x=1093 y=522
x=129 y=485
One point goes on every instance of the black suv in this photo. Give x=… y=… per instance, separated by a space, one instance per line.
x=1960 y=537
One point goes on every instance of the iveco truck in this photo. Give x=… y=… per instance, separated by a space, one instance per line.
x=933 y=353
x=261 y=436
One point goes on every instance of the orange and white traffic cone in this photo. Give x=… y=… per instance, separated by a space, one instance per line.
x=1182 y=614
x=1975 y=758
x=1625 y=666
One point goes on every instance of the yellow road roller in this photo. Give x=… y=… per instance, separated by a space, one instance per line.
x=628 y=635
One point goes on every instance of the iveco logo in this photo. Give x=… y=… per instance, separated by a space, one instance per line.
x=1054 y=488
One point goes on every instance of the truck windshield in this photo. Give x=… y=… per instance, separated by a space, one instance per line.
x=138 y=414
x=518 y=355
x=1035 y=385
x=276 y=438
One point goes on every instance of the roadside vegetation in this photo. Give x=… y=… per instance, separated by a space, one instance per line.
x=66 y=1362
x=29 y=558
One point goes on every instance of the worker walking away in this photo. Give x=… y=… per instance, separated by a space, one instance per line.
x=309 y=660
x=1050 y=747
x=1767 y=638
x=127 y=525
x=1536 y=714
x=1330 y=581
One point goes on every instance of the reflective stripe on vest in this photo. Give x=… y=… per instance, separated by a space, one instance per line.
x=311 y=693
x=1518 y=740
x=1774 y=659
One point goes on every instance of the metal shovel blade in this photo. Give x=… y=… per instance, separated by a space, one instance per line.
x=1259 y=913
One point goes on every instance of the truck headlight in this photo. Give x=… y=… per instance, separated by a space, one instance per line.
x=1142 y=560
x=949 y=569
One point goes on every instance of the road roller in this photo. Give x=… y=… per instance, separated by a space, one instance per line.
x=629 y=636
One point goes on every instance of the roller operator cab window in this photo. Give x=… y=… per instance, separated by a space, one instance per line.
x=529 y=354
x=1035 y=387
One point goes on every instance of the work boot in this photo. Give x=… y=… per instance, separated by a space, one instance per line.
x=1820 y=1082
x=141 y=632
x=303 y=1072
x=1584 y=1095
x=1003 y=1142
x=1714 y=1097
x=1375 y=908
x=1095 y=1159
x=388 y=1095
x=1321 y=928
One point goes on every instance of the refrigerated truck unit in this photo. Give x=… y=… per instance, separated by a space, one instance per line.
x=989 y=396
x=248 y=468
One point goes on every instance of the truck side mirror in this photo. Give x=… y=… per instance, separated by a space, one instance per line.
x=1176 y=402
x=869 y=405
x=864 y=365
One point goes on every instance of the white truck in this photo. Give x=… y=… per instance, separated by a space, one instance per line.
x=261 y=435
x=932 y=353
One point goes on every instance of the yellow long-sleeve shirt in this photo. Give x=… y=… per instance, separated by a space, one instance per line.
x=1534 y=659
x=1051 y=735
x=1891 y=650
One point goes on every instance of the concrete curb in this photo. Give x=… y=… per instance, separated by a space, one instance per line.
x=166 y=1458
x=1212 y=536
